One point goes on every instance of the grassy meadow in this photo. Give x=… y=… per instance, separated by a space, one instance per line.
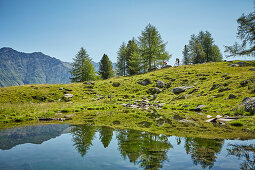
x=121 y=102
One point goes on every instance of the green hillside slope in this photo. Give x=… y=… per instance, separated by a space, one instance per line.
x=206 y=91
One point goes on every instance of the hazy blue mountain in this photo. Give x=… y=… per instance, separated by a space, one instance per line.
x=18 y=68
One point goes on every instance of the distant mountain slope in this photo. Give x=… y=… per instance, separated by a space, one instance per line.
x=18 y=68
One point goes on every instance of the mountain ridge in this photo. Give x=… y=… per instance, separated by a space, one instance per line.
x=19 y=68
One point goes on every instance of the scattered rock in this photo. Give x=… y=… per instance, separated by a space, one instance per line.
x=160 y=84
x=198 y=108
x=212 y=120
x=68 y=89
x=115 y=84
x=233 y=65
x=178 y=90
x=227 y=119
x=244 y=83
x=231 y=96
x=218 y=116
x=154 y=90
x=242 y=64
x=249 y=104
x=223 y=89
x=144 y=82
x=61 y=88
x=208 y=116
x=89 y=83
x=68 y=95
x=221 y=123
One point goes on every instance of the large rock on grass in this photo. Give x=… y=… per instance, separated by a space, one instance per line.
x=154 y=90
x=115 y=84
x=249 y=104
x=144 y=82
x=178 y=90
x=160 y=84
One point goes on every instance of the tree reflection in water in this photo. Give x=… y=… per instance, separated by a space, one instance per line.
x=83 y=137
x=105 y=135
x=203 y=151
x=149 y=150
x=243 y=151
x=143 y=148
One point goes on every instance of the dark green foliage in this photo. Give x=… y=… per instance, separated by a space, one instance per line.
x=201 y=49
x=17 y=68
x=197 y=53
x=122 y=60
x=105 y=67
x=246 y=33
x=152 y=47
x=186 y=56
x=133 y=62
x=83 y=69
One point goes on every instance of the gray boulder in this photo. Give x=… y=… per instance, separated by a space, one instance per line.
x=115 y=84
x=68 y=95
x=231 y=96
x=249 y=104
x=178 y=90
x=154 y=90
x=144 y=82
x=160 y=84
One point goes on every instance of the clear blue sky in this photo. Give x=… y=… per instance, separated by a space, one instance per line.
x=59 y=28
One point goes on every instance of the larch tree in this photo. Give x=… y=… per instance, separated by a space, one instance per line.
x=105 y=67
x=152 y=47
x=82 y=67
x=246 y=33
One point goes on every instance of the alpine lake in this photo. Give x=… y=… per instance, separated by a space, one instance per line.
x=64 y=146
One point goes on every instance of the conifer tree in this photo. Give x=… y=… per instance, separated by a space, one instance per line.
x=122 y=60
x=246 y=33
x=133 y=57
x=82 y=68
x=152 y=47
x=105 y=67
x=186 y=56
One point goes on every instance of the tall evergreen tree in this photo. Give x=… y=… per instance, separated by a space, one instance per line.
x=105 y=67
x=82 y=68
x=122 y=60
x=133 y=58
x=186 y=56
x=152 y=47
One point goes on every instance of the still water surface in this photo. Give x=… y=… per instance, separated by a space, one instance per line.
x=63 y=146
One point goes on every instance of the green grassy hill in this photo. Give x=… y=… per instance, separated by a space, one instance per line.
x=210 y=90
